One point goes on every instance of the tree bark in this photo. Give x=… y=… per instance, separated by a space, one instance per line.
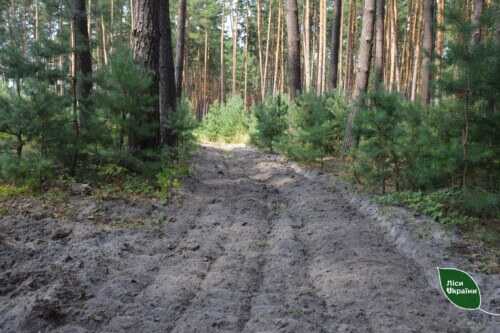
x=363 y=70
x=167 y=93
x=266 y=55
x=245 y=58
x=146 y=40
x=259 y=47
x=440 y=27
x=336 y=40
x=221 y=83
x=235 y=49
x=307 y=45
x=277 y=51
x=292 y=22
x=416 y=49
x=394 y=71
x=321 y=48
x=83 y=61
x=379 y=42
x=427 y=43
x=350 y=47
x=37 y=19
x=104 y=46
x=180 y=47
x=476 y=17
x=132 y=25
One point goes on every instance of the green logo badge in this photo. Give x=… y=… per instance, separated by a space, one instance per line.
x=461 y=289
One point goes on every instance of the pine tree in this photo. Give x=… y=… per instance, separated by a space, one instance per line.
x=294 y=72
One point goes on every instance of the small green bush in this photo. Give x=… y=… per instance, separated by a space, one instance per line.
x=169 y=179
x=31 y=170
x=316 y=127
x=113 y=173
x=271 y=122
x=183 y=124
x=382 y=127
x=226 y=122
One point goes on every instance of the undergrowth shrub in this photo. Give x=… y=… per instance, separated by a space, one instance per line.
x=316 y=127
x=31 y=170
x=157 y=172
x=387 y=128
x=449 y=206
x=226 y=122
x=271 y=122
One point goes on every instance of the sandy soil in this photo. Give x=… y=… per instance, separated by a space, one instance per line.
x=250 y=246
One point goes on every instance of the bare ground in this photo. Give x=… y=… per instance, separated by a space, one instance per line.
x=251 y=245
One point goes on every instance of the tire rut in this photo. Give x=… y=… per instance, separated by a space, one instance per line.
x=254 y=246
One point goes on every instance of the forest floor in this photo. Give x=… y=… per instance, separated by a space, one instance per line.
x=249 y=244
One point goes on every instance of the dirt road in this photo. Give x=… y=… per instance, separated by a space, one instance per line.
x=253 y=246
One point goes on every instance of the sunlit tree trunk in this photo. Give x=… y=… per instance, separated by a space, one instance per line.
x=307 y=45
x=259 y=47
x=222 y=66
x=321 y=47
x=235 y=49
x=104 y=45
x=440 y=10
x=205 y=74
x=363 y=69
x=245 y=58
x=416 y=58
x=476 y=16
x=278 y=48
x=180 y=47
x=427 y=43
x=349 y=73
x=37 y=19
x=266 y=54
x=394 y=71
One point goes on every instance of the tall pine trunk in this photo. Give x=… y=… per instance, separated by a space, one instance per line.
x=82 y=61
x=363 y=70
x=349 y=73
x=167 y=93
x=379 y=42
x=259 y=47
x=234 y=29
x=427 y=43
x=336 y=40
x=180 y=47
x=294 y=72
x=440 y=27
x=307 y=45
x=268 y=41
x=222 y=67
x=476 y=17
x=146 y=41
x=245 y=65
x=277 y=51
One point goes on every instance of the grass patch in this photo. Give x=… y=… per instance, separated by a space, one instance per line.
x=8 y=191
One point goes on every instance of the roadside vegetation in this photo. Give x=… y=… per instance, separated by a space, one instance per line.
x=441 y=159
